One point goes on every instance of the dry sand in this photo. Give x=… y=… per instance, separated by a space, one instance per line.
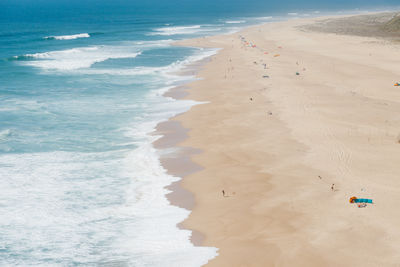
x=277 y=144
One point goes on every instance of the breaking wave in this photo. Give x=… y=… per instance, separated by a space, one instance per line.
x=235 y=21
x=183 y=30
x=75 y=58
x=68 y=37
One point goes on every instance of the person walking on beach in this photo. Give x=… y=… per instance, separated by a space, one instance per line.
x=223 y=193
x=333 y=187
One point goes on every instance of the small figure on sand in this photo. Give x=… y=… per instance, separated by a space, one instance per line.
x=223 y=193
x=333 y=187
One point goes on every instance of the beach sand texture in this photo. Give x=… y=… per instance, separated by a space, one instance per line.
x=276 y=145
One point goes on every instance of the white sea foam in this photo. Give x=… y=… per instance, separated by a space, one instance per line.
x=57 y=209
x=77 y=58
x=68 y=210
x=292 y=14
x=4 y=135
x=68 y=37
x=149 y=44
x=159 y=227
x=264 y=18
x=62 y=205
x=104 y=208
x=231 y=30
x=85 y=57
x=177 y=30
x=183 y=30
x=154 y=234
x=235 y=21
x=162 y=72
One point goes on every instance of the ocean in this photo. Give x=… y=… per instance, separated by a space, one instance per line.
x=81 y=91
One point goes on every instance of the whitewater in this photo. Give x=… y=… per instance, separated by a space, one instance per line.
x=69 y=37
x=98 y=194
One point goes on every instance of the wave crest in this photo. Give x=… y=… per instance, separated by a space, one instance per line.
x=234 y=21
x=179 y=30
x=4 y=134
x=163 y=71
x=75 y=58
x=68 y=37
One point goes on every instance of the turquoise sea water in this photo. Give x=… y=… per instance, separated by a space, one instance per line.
x=81 y=86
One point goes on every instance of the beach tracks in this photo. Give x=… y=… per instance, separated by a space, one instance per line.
x=298 y=122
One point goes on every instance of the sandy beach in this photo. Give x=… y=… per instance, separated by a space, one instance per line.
x=298 y=119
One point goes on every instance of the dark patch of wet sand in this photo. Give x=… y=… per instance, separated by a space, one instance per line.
x=178 y=163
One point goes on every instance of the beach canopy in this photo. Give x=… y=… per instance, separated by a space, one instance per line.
x=363 y=200
x=360 y=200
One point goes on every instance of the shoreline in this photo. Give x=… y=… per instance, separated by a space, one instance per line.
x=179 y=196
x=172 y=134
x=276 y=144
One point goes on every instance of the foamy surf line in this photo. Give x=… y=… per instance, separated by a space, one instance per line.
x=68 y=37
x=234 y=21
x=163 y=72
x=81 y=59
x=160 y=214
x=187 y=104
x=76 y=58
x=144 y=226
x=185 y=30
